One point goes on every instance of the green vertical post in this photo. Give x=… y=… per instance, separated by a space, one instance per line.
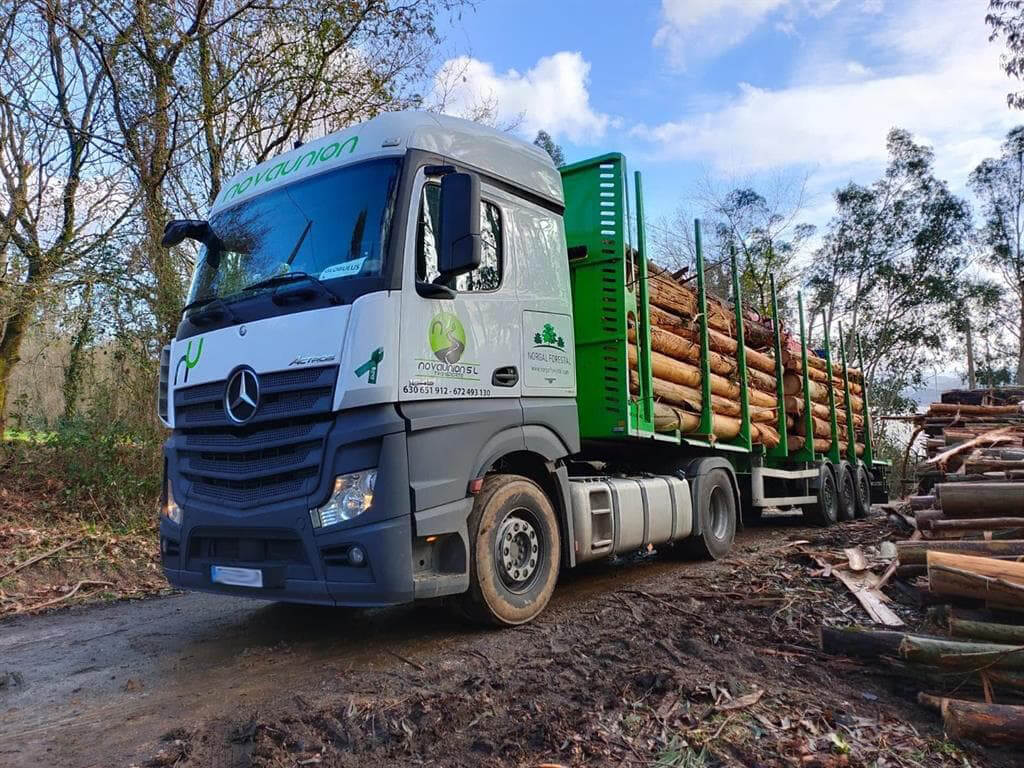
x=781 y=451
x=807 y=452
x=869 y=449
x=742 y=440
x=833 y=451
x=643 y=317
x=851 y=430
x=706 y=427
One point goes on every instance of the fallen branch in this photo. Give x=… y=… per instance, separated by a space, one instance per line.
x=43 y=556
x=62 y=598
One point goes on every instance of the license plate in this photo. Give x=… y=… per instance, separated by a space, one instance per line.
x=236 y=577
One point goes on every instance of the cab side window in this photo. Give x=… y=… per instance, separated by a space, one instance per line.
x=486 y=277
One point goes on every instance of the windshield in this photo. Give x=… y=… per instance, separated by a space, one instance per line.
x=332 y=227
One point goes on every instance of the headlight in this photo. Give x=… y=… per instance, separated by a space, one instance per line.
x=352 y=495
x=170 y=508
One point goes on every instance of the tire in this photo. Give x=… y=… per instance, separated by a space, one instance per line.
x=847 y=485
x=716 y=513
x=863 y=482
x=825 y=511
x=511 y=585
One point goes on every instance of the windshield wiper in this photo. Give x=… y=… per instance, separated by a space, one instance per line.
x=291 y=277
x=213 y=304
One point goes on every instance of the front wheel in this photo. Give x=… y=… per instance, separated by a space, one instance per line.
x=515 y=550
x=716 y=514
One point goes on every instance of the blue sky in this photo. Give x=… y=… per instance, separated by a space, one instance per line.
x=737 y=90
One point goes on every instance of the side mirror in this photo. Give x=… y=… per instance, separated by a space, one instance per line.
x=459 y=250
x=177 y=230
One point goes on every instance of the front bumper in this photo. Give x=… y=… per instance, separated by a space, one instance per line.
x=313 y=572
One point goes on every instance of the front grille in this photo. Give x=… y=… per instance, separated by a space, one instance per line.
x=257 y=546
x=275 y=457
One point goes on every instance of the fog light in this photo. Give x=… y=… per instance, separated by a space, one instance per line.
x=352 y=495
x=357 y=556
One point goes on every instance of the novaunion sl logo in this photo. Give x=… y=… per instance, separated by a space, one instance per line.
x=447 y=337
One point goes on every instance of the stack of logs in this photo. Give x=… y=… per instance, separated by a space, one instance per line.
x=979 y=440
x=967 y=564
x=819 y=382
x=676 y=370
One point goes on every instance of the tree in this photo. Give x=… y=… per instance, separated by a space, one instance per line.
x=999 y=185
x=889 y=267
x=545 y=142
x=62 y=203
x=1006 y=20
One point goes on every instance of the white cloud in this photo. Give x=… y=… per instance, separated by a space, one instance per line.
x=946 y=88
x=706 y=27
x=552 y=95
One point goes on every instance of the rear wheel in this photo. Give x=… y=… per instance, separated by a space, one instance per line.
x=847 y=483
x=824 y=511
x=515 y=549
x=716 y=510
x=863 y=490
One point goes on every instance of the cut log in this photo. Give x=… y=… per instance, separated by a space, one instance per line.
x=1007 y=570
x=922 y=502
x=669 y=419
x=974 y=524
x=821 y=427
x=688 y=375
x=956 y=582
x=762 y=381
x=916 y=552
x=978 y=721
x=952 y=654
x=765 y=434
x=973 y=410
x=984 y=464
x=1008 y=634
x=680 y=348
x=717 y=341
x=796 y=442
x=794 y=385
x=981 y=499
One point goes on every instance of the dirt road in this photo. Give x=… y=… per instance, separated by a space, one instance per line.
x=236 y=682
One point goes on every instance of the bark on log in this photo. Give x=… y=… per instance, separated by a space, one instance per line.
x=981 y=499
x=974 y=524
x=677 y=372
x=762 y=381
x=983 y=464
x=934 y=651
x=922 y=502
x=916 y=552
x=955 y=582
x=668 y=419
x=687 y=397
x=796 y=442
x=1007 y=570
x=977 y=721
x=1008 y=634
x=765 y=434
x=793 y=384
x=973 y=410
x=680 y=348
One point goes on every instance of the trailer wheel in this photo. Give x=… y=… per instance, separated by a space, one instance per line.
x=716 y=510
x=863 y=482
x=847 y=483
x=514 y=552
x=825 y=511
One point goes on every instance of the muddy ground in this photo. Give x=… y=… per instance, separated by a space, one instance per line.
x=653 y=662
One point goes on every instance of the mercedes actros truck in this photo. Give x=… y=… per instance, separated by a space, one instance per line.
x=404 y=372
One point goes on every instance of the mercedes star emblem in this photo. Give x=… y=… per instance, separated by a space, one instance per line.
x=242 y=396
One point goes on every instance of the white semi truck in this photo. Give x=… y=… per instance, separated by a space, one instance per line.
x=392 y=382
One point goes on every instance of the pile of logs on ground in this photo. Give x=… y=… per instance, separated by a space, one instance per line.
x=965 y=560
x=676 y=368
x=972 y=435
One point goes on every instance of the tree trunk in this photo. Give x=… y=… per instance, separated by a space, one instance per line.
x=973 y=524
x=74 y=369
x=956 y=582
x=1009 y=634
x=956 y=654
x=971 y=381
x=10 y=348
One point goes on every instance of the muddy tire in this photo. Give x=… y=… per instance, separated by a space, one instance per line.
x=514 y=552
x=825 y=511
x=715 y=511
x=846 y=480
x=863 y=483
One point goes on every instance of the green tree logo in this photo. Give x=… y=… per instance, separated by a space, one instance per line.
x=447 y=337
x=549 y=334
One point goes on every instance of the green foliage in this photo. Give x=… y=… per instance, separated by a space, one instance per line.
x=545 y=142
x=999 y=185
x=1005 y=18
x=889 y=267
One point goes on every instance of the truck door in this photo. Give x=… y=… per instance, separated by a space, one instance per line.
x=470 y=346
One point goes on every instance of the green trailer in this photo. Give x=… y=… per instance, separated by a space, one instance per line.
x=606 y=262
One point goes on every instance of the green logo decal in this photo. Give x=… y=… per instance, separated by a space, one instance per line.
x=370 y=366
x=188 y=361
x=447 y=337
x=309 y=159
x=548 y=337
